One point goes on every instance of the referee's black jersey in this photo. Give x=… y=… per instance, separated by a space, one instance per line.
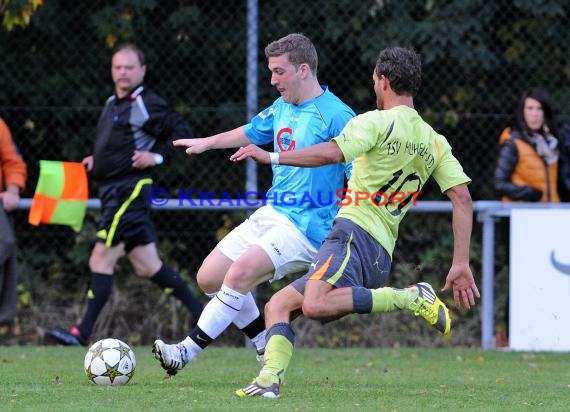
x=140 y=121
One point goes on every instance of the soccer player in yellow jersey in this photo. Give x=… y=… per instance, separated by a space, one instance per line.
x=394 y=151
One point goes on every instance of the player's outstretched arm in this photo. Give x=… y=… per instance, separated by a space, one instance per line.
x=231 y=138
x=254 y=152
x=313 y=156
x=460 y=278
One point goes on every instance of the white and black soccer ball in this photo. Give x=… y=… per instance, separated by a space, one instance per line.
x=110 y=362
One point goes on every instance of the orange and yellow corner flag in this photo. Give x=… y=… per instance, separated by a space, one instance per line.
x=61 y=195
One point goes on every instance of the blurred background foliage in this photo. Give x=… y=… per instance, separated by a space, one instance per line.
x=478 y=57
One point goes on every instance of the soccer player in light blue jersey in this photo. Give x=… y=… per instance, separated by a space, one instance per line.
x=394 y=152
x=281 y=237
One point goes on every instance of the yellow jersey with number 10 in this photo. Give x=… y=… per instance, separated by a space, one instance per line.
x=393 y=153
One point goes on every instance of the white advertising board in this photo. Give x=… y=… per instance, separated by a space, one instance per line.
x=539 y=280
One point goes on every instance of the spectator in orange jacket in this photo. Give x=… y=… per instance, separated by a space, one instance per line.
x=527 y=167
x=13 y=175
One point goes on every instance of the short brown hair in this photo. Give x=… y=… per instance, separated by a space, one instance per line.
x=299 y=48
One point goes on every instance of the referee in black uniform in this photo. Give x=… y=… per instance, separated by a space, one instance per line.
x=134 y=135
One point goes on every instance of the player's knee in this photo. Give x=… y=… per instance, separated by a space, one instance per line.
x=237 y=277
x=313 y=309
x=206 y=282
x=99 y=263
x=274 y=308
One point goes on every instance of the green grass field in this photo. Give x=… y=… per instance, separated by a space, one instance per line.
x=52 y=379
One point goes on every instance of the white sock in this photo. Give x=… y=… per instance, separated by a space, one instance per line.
x=248 y=313
x=220 y=312
x=259 y=342
x=192 y=349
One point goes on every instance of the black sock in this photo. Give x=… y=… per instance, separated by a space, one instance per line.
x=255 y=327
x=166 y=278
x=99 y=291
x=200 y=337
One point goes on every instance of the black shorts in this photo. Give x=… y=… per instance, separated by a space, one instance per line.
x=125 y=213
x=348 y=257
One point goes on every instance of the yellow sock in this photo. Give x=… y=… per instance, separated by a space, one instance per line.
x=389 y=299
x=278 y=353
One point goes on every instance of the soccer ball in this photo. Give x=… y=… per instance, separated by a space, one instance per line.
x=110 y=362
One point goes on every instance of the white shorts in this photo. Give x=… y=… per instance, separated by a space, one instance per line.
x=288 y=248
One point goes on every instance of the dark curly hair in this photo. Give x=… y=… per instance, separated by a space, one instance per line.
x=402 y=67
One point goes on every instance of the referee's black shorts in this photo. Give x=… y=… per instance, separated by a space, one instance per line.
x=125 y=213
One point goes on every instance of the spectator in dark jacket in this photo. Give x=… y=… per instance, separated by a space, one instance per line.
x=527 y=167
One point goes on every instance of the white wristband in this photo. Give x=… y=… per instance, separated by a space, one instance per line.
x=274 y=158
x=158 y=159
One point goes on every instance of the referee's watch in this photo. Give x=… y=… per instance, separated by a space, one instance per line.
x=158 y=159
